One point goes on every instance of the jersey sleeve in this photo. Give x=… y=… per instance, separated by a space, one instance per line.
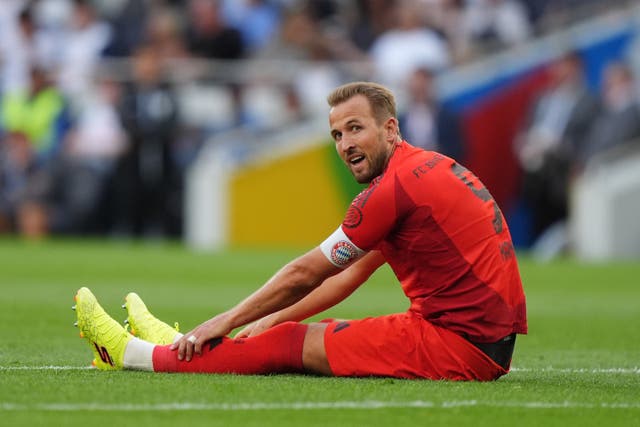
x=372 y=214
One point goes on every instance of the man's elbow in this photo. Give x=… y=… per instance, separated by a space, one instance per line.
x=302 y=278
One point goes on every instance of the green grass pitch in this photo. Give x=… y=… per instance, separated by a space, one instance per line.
x=580 y=364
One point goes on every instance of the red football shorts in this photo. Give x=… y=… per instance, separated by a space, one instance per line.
x=404 y=346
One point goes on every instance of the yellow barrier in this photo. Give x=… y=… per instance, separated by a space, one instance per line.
x=292 y=201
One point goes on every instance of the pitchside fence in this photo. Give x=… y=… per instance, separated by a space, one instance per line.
x=605 y=206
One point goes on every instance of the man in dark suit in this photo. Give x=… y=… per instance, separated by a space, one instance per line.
x=558 y=123
x=427 y=123
x=618 y=121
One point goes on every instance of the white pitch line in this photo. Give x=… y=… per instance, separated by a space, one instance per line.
x=624 y=371
x=635 y=370
x=45 y=368
x=267 y=406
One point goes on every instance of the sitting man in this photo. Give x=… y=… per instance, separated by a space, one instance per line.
x=427 y=216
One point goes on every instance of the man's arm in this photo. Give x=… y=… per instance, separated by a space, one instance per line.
x=288 y=286
x=332 y=291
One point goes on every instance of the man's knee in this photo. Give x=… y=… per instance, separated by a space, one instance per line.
x=314 y=356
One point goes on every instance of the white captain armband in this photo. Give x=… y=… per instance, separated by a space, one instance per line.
x=339 y=250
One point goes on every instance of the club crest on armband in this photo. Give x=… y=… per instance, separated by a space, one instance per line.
x=343 y=252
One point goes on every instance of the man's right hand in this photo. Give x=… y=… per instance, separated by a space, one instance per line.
x=191 y=343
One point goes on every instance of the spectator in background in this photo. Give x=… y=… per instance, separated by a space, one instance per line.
x=407 y=46
x=16 y=169
x=40 y=113
x=34 y=124
x=257 y=20
x=146 y=189
x=81 y=48
x=501 y=22
x=129 y=25
x=618 y=121
x=447 y=17
x=77 y=184
x=368 y=19
x=426 y=123
x=558 y=123
x=165 y=33
x=208 y=35
x=296 y=37
x=538 y=9
x=22 y=43
x=52 y=14
x=302 y=37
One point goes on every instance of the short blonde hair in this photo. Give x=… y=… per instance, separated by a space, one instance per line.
x=381 y=100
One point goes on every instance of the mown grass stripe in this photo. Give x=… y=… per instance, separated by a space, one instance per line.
x=269 y=406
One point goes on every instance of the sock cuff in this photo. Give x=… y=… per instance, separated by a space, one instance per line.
x=164 y=360
x=298 y=332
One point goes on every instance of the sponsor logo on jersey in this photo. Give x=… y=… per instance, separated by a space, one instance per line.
x=343 y=253
x=428 y=165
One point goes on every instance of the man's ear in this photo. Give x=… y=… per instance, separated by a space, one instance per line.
x=391 y=129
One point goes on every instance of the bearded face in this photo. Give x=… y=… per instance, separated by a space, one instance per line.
x=364 y=145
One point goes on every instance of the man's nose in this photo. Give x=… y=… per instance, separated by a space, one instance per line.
x=347 y=144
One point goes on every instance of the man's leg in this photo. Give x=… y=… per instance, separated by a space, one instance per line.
x=147 y=327
x=288 y=347
x=277 y=350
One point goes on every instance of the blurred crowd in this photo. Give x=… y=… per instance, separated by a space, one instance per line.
x=569 y=126
x=95 y=137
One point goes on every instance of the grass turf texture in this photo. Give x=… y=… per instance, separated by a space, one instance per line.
x=578 y=366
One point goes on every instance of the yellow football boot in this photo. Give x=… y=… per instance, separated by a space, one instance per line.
x=106 y=337
x=145 y=325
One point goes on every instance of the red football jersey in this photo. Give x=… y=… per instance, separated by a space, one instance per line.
x=447 y=242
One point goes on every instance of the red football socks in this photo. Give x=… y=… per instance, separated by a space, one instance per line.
x=277 y=350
